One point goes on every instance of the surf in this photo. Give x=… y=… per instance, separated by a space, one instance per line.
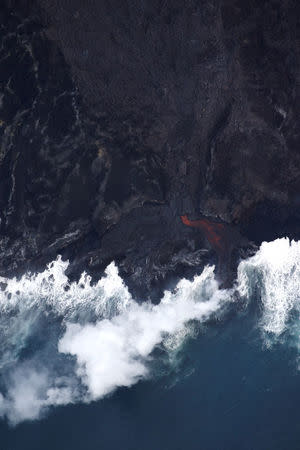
x=76 y=342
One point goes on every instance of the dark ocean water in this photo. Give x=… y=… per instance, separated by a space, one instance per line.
x=240 y=395
x=233 y=383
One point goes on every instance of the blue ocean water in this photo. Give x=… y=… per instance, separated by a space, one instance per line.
x=239 y=396
x=232 y=384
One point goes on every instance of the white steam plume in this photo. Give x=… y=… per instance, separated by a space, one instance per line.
x=44 y=320
x=109 y=334
x=113 y=353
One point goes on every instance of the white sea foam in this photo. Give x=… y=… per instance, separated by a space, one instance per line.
x=74 y=342
x=109 y=334
x=273 y=273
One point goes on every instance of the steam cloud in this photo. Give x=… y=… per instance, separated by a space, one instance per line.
x=109 y=335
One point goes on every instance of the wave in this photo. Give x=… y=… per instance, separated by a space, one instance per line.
x=75 y=342
x=273 y=274
x=109 y=334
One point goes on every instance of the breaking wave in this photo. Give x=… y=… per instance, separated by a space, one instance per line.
x=273 y=275
x=75 y=342
x=45 y=319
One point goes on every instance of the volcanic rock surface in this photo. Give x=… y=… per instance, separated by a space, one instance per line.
x=117 y=117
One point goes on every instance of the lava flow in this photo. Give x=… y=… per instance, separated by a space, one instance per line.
x=214 y=232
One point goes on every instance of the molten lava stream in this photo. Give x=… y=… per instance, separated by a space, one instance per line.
x=214 y=232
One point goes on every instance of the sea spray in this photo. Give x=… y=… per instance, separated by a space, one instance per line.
x=110 y=336
x=76 y=342
x=273 y=274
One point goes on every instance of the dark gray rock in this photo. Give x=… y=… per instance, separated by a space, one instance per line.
x=118 y=117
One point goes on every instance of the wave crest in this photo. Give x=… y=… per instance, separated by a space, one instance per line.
x=109 y=334
x=74 y=342
x=273 y=274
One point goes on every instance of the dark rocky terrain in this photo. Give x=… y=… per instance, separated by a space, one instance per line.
x=118 y=117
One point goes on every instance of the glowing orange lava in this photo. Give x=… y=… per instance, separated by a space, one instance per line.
x=213 y=231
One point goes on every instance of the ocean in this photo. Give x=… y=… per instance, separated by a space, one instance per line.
x=87 y=367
